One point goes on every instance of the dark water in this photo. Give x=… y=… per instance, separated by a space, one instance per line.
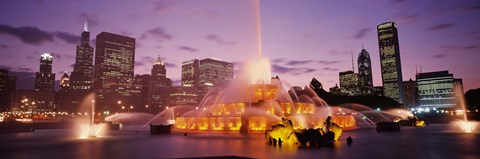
x=434 y=141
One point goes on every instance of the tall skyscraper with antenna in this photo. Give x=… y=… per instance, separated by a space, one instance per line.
x=365 y=72
x=81 y=79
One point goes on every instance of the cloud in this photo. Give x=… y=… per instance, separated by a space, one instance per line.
x=56 y=56
x=3 y=46
x=29 y=57
x=302 y=62
x=327 y=62
x=439 y=55
x=186 y=48
x=281 y=69
x=217 y=39
x=35 y=36
x=169 y=65
x=361 y=33
x=291 y=70
x=299 y=62
x=309 y=70
x=441 y=26
x=25 y=77
x=139 y=63
x=330 y=69
x=158 y=33
x=67 y=37
x=471 y=46
x=278 y=60
x=29 y=35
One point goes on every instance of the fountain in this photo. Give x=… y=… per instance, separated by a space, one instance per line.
x=253 y=102
x=465 y=125
x=86 y=125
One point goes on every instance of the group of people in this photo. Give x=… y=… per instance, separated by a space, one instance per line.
x=273 y=141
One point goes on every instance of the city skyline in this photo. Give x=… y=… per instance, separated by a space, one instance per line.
x=227 y=31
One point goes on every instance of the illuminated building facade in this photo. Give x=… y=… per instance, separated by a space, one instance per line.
x=114 y=65
x=81 y=78
x=390 y=61
x=215 y=73
x=365 y=72
x=33 y=101
x=349 y=83
x=45 y=79
x=7 y=86
x=181 y=95
x=206 y=74
x=191 y=73
x=436 y=89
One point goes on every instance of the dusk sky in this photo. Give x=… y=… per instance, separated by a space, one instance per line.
x=303 y=38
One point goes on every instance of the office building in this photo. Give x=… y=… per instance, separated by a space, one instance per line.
x=437 y=90
x=81 y=78
x=411 y=93
x=33 y=102
x=390 y=63
x=365 y=72
x=7 y=86
x=191 y=73
x=349 y=83
x=45 y=79
x=114 y=65
x=159 y=86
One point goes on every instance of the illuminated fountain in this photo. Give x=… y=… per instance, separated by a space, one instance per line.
x=253 y=102
x=465 y=125
x=86 y=126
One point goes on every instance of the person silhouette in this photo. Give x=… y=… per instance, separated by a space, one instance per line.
x=328 y=122
x=349 y=140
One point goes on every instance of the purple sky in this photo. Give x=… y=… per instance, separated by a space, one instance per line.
x=304 y=39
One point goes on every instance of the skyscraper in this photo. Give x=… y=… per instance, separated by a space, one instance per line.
x=45 y=79
x=7 y=86
x=390 y=61
x=349 y=83
x=159 y=86
x=114 y=64
x=191 y=73
x=411 y=93
x=81 y=79
x=63 y=97
x=214 y=73
x=206 y=74
x=365 y=72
